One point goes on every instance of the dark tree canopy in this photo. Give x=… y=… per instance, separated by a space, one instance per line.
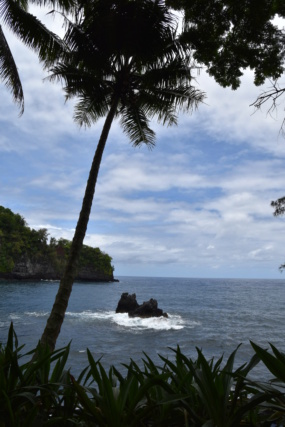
x=229 y=36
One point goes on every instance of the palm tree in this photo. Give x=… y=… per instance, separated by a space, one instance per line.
x=9 y=73
x=124 y=60
x=31 y=32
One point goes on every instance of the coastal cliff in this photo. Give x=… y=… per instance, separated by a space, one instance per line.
x=26 y=254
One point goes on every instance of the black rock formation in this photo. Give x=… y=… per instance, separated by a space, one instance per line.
x=128 y=304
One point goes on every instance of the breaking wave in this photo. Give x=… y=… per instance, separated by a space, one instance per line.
x=173 y=322
x=122 y=320
x=36 y=313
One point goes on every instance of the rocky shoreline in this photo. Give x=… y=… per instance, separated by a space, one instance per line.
x=17 y=278
x=31 y=255
x=28 y=270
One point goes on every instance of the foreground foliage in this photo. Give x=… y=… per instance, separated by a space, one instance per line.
x=179 y=392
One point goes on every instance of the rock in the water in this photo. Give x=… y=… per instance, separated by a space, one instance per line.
x=128 y=304
x=148 y=309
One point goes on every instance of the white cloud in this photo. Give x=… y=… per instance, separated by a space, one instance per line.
x=229 y=117
x=198 y=204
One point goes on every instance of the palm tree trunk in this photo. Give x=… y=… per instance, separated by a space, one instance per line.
x=57 y=314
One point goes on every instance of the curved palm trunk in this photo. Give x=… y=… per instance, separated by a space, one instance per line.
x=57 y=314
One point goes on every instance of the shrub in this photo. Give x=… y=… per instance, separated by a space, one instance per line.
x=36 y=389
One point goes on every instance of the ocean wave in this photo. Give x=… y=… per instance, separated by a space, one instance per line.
x=36 y=313
x=14 y=316
x=173 y=322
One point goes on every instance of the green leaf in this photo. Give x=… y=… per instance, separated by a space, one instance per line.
x=274 y=363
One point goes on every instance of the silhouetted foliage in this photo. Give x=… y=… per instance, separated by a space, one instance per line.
x=227 y=36
x=32 y=32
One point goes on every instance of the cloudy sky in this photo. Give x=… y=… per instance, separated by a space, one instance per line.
x=197 y=205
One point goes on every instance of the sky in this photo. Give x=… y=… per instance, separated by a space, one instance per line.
x=197 y=205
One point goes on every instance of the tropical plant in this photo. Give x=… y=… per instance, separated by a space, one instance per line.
x=215 y=395
x=124 y=59
x=181 y=392
x=9 y=72
x=112 y=399
x=14 y=14
x=33 y=393
x=275 y=388
x=164 y=403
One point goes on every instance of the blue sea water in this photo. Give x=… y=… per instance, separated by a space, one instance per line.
x=214 y=315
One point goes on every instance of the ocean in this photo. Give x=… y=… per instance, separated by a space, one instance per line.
x=215 y=315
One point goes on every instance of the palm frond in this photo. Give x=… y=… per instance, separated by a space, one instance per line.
x=183 y=98
x=155 y=106
x=89 y=109
x=107 y=57
x=94 y=93
x=9 y=72
x=136 y=125
x=66 y=6
x=166 y=103
x=31 y=31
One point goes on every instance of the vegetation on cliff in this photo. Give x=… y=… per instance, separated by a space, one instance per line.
x=18 y=241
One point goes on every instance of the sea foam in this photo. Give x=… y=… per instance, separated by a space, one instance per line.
x=173 y=322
